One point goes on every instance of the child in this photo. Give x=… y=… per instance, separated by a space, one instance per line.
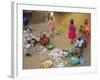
x=28 y=35
x=81 y=29
x=29 y=48
x=34 y=42
x=79 y=45
x=72 y=31
x=44 y=40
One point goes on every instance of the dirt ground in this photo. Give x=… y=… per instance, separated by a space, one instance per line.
x=60 y=41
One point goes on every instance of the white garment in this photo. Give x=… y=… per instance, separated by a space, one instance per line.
x=58 y=62
x=29 y=37
x=56 y=53
x=79 y=43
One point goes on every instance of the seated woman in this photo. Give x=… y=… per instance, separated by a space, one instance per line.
x=44 y=40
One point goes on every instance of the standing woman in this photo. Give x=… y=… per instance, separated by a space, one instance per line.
x=51 y=26
x=72 y=31
x=86 y=31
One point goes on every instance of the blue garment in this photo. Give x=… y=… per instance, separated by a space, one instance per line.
x=25 y=20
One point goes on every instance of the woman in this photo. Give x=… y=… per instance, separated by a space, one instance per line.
x=51 y=26
x=86 y=32
x=72 y=31
x=44 y=40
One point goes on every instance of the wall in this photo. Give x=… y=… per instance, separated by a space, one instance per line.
x=64 y=18
x=39 y=16
x=36 y=17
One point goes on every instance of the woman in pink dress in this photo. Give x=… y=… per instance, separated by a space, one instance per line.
x=51 y=26
x=72 y=31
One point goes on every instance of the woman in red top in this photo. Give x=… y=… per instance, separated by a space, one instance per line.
x=44 y=40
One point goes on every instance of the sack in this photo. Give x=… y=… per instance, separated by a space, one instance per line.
x=59 y=63
x=70 y=52
x=65 y=53
x=56 y=53
x=81 y=60
x=50 y=46
x=74 y=60
x=47 y=64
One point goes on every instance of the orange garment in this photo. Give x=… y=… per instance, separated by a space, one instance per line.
x=86 y=32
